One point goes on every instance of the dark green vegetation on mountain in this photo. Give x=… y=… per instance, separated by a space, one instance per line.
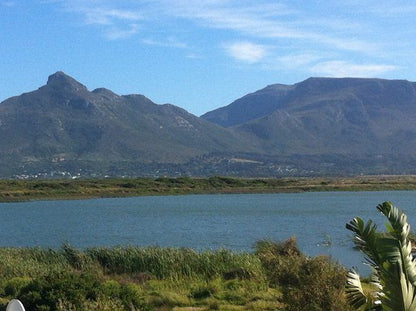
x=23 y=190
x=321 y=126
x=277 y=276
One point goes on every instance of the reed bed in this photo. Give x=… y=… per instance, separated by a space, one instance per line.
x=175 y=263
x=277 y=276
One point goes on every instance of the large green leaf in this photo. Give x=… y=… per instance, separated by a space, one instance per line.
x=365 y=239
x=399 y=229
x=389 y=254
x=355 y=294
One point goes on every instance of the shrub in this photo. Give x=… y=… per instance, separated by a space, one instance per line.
x=306 y=283
x=13 y=286
x=320 y=287
x=281 y=261
x=44 y=293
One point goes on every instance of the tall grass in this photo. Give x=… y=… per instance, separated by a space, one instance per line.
x=30 y=262
x=175 y=263
x=277 y=276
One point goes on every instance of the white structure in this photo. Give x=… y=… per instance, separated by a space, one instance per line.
x=15 y=305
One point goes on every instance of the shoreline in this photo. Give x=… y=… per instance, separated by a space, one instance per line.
x=63 y=189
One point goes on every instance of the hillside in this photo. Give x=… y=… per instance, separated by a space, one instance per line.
x=335 y=120
x=321 y=126
x=64 y=125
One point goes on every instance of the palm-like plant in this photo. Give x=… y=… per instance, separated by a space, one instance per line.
x=390 y=257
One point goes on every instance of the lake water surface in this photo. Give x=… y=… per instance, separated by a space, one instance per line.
x=201 y=221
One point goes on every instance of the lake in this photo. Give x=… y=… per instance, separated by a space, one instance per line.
x=233 y=221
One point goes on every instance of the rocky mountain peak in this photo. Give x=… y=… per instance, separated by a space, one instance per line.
x=60 y=80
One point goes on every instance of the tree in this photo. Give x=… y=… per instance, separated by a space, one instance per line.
x=389 y=254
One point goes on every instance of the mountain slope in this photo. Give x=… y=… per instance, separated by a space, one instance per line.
x=64 y=122
x=348 y=116
x=320 y=126
x=251 y=106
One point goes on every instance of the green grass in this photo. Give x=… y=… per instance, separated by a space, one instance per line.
x=274 y=277
x=21 y=190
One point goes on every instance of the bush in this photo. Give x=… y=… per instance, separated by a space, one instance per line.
x=80 y=291
x=313 y=284
x=281 y=261
x=320 y=286
x=13 y=286
x=45 y=293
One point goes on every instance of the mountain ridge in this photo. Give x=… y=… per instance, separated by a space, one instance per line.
x=338 y=121
x=279 y=93
x=64 y=120
x=319 y=126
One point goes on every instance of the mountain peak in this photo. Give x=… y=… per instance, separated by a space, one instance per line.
x=61 y=80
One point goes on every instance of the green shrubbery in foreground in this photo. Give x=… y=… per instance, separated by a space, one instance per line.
x=277 y=276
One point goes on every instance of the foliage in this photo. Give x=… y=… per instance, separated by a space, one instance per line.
x=389 y=254
x=306 y=283
x=174 y=263
x=275 y=277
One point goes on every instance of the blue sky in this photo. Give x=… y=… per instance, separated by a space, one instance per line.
x=201 y=55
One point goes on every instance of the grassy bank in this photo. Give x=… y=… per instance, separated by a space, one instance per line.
x=22 y=190
x=277 y=276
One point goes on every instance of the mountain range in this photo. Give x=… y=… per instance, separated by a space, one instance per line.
x=320 y=126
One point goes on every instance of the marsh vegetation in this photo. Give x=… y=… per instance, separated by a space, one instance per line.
x=276 y=276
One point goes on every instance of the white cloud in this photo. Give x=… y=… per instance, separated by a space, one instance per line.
x=106 y=16
x=271 y=21
x=282 y=25
x=115 y=33
x=115 y=22
x=346 y=69
x=258 y=20
x=246 y=51
x=171 y=41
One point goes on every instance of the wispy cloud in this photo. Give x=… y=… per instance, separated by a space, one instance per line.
x=262 y=20
x=116 y=22
x=115 y=33
x=256 y=20
x=107 y=16
x=346 y=69
x=167 y=42
x=246 y=51
x=271 y=21
x=277 y=27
